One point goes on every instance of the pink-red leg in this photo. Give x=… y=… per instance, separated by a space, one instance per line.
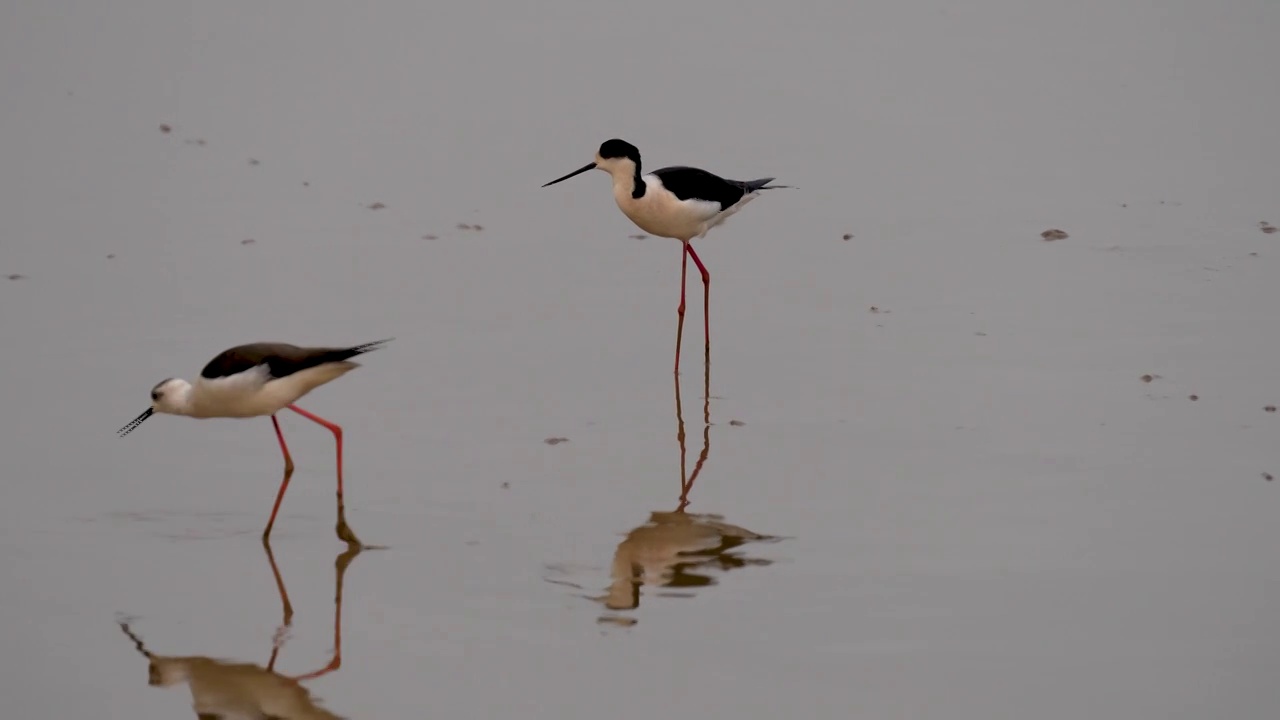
x=706 y=295
x=684 y=271
x=284 y=484
x=344 y=531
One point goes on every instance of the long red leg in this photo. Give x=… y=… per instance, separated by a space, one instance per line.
x=344 y=532
x=284 y=484
x=706 y=295
x=684 y=271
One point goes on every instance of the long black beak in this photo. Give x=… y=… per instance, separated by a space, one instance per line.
x=133 y=424
x=579 y=171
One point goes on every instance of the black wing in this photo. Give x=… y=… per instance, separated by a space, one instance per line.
x=689 y=183
x=281 y=359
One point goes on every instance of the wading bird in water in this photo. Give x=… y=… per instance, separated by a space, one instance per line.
x=261 y=379
x=681 y=203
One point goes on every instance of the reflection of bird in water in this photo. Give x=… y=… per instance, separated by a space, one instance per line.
x=668 y=549
x=223 y=689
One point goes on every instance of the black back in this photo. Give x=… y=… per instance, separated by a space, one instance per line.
x=281 y=359
x=689 y=183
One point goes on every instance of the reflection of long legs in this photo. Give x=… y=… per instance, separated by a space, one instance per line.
x=277 y=641
x=686 y=481
x=339 y=571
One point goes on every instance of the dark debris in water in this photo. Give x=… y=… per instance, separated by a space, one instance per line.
x=430 y=237
x=467 y=226
x=111 y=256
x=637 y=237
x=736 y=423
x=1193 y=398
x=556 y=440
x=1267 y=476
x=847 y=236
x=17 y=276
x=1053 y=234
x=248 y=241
x=376 y=206
x=875 y=310
x=195 y=141
x=1149 y=377
x=166 y=129
x=1266 y=227
x=254 y=162
x=1270 y=408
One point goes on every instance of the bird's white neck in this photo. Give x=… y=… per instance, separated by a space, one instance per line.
x=626 y=175
x=179 y=400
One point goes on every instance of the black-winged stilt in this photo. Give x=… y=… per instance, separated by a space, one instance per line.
x=679 y=202
x=261 y=379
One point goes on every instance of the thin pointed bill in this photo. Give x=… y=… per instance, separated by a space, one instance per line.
x=133 y=424
x=579 y=171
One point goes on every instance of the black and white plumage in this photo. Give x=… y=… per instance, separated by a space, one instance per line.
x=262 y=379
x=674 y=202
x=252 y=380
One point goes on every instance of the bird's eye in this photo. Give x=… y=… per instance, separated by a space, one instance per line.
x=156 y=394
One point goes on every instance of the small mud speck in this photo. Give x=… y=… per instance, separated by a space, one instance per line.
x=874 y=310
x=1270 y=408
x=637 y=237
x=1268 y=477
x=980 y=334
x=847 y=236
x=506 y=486
x=616 y=620
x=254 y=162
x=556 y=440
x=111 y=256
x=1193 y=398
x=376 y=206
x=1124 y=205
x=1053 y=234
x=1253 y=254
x=736 y=423
x=466 y=226
x=248 y=241
x=306 y=183
x=195 y=141
x=166 y=129
x=16 y=276
x=1148 y=378
x=430 y=237
x=1266 y=227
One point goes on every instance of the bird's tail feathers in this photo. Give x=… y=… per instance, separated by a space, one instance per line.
x=763 y=184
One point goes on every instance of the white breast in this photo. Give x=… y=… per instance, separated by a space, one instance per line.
x=661 y=213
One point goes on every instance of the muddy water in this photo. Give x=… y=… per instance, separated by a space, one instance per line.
x=928 y=478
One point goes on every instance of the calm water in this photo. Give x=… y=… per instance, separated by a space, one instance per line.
x=964 y=503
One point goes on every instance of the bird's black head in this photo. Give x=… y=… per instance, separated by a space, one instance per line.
x=609 y=158
x=157 y=392
x=616 y=148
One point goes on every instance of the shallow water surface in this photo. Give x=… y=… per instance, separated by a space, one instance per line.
x=939 y=466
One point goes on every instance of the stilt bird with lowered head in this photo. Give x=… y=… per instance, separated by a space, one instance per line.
x=261 y=379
